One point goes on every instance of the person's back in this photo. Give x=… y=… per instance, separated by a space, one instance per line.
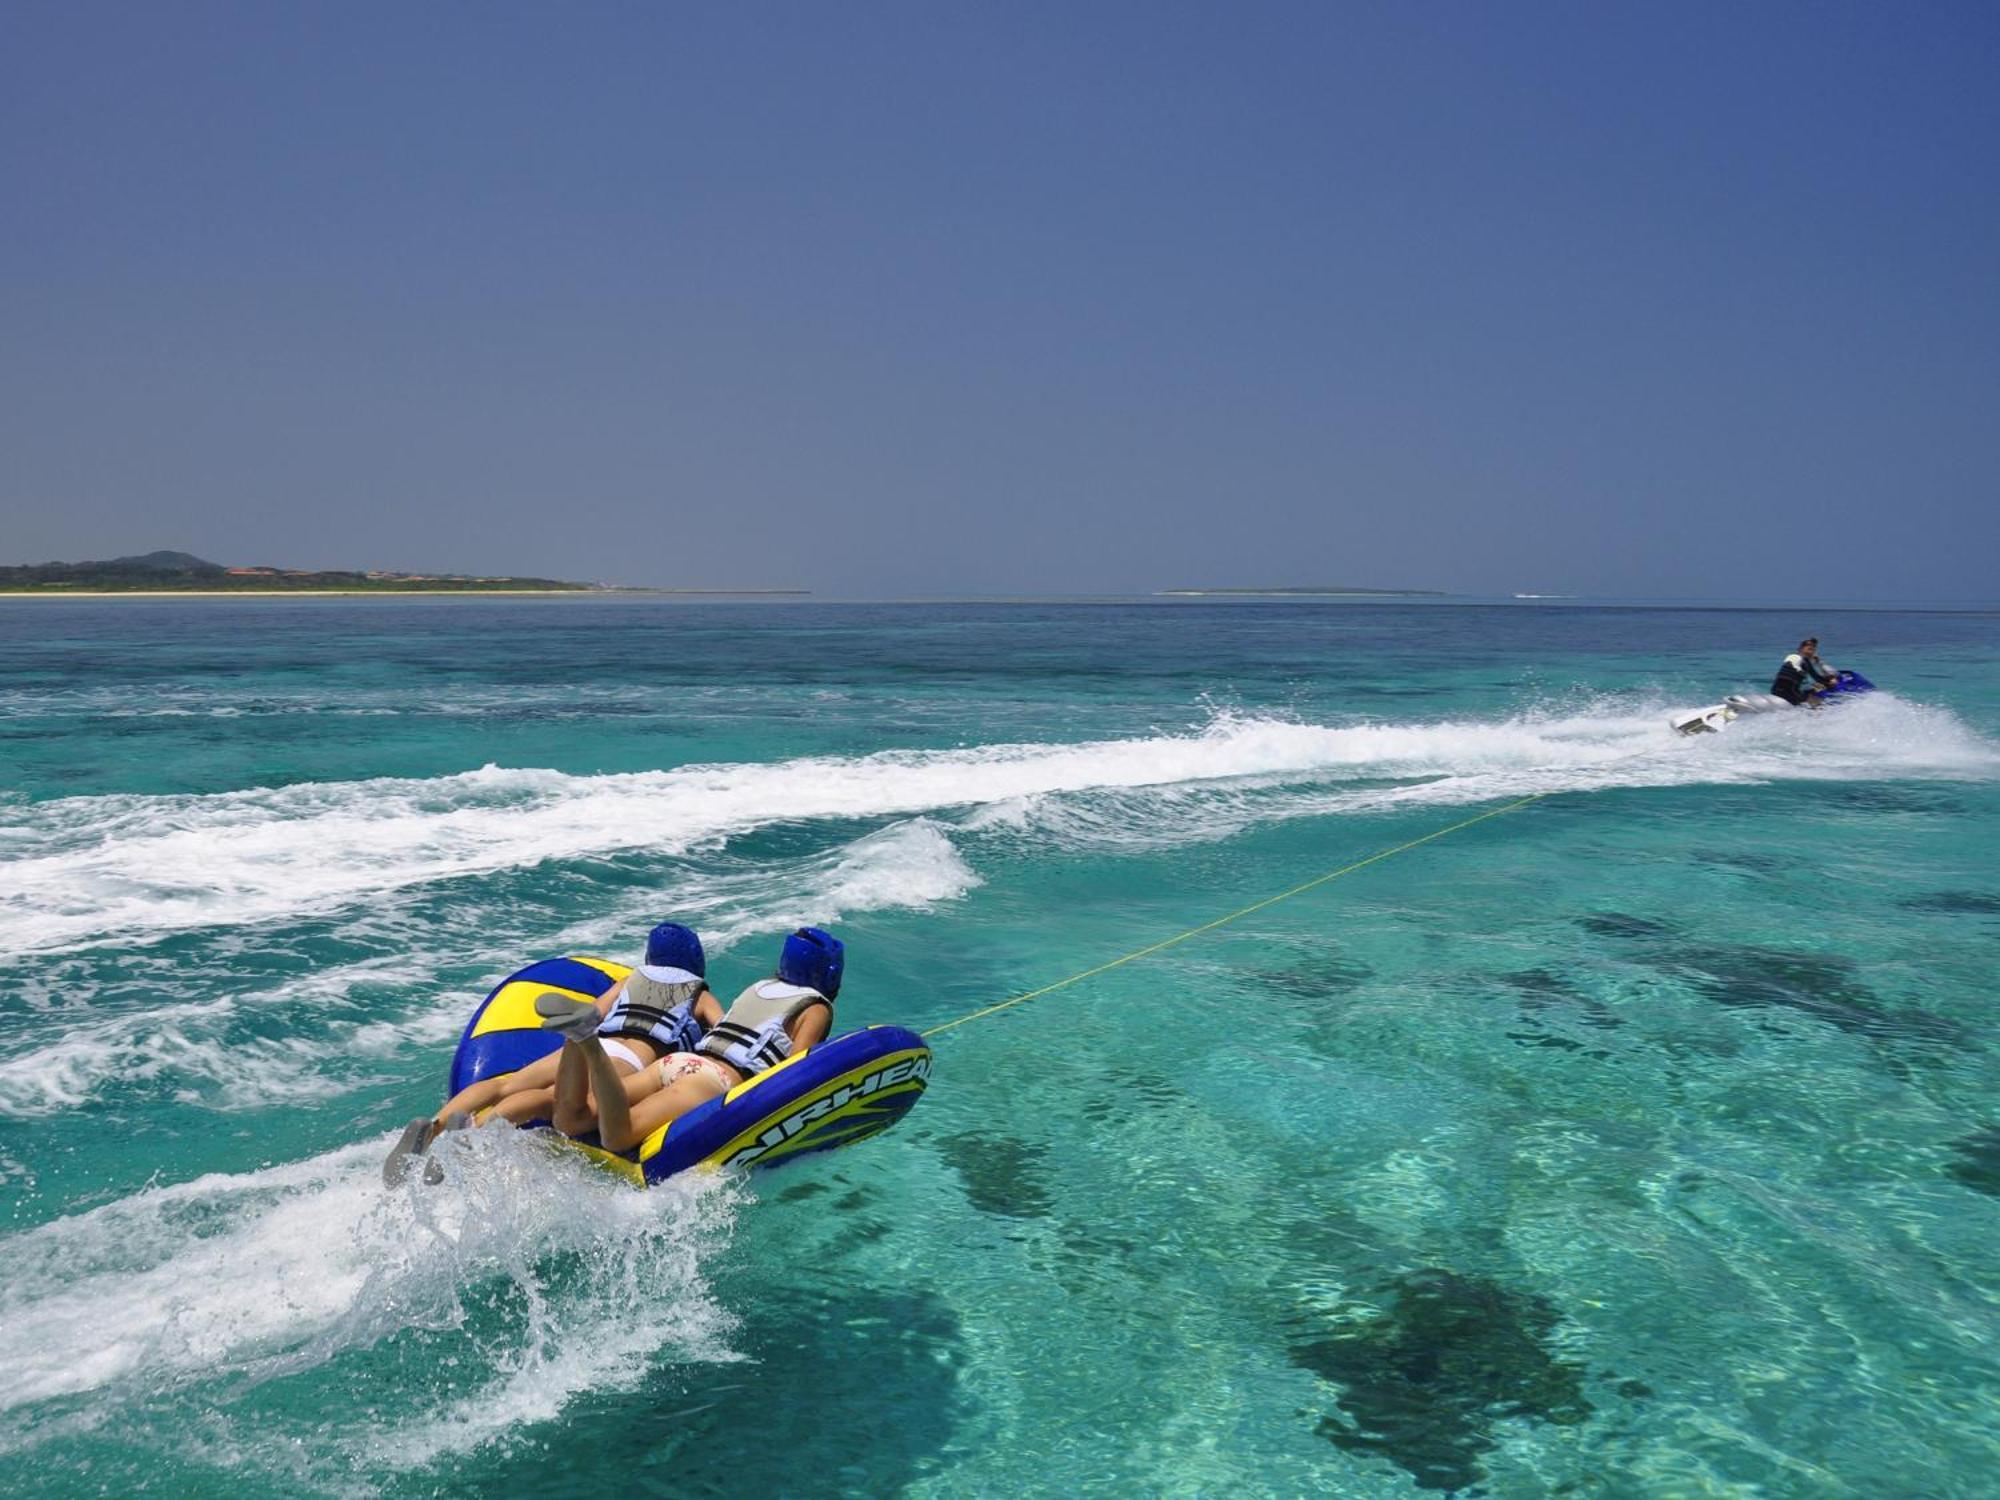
x=662 y=1006
x=1801 y=675
x=772 y=1019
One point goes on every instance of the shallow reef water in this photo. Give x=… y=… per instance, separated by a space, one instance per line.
x=1640 y=1141
x=1431 y=1363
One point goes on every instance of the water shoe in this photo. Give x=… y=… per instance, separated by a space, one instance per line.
x=575 y=1019
x=414 y=1141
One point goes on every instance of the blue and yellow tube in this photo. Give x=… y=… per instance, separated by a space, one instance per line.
x=844 y=1090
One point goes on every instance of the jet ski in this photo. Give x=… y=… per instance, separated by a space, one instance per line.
x=1710 y=720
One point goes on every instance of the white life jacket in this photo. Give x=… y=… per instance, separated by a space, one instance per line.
x=751 y=1037
x=650 y=1011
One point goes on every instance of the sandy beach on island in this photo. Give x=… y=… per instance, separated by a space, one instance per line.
x=391 y=593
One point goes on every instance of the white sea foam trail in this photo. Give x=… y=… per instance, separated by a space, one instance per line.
x=1608 y=748
x=196 y=1053
x=303 y=1037
x=86 y=871
x=280 y=1272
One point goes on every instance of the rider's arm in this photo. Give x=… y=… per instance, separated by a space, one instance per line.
x=610 y=997
x=810 y=1025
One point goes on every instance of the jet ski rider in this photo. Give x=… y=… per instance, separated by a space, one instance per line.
x=1801 y=667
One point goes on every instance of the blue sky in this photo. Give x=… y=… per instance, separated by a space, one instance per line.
x=1643 y=300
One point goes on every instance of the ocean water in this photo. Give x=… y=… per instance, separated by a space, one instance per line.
x=1644 y=1140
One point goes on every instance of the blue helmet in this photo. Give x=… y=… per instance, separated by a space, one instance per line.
x=673 y=952
x=813 y=958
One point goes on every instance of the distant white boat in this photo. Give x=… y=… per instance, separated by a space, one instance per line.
x=1545 y=596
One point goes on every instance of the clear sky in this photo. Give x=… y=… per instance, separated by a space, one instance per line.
x=1633 y=299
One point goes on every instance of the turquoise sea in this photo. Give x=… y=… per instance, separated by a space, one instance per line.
x=1642 y=1141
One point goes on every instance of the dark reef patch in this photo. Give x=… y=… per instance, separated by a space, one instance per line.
x=1309 y=997
x=1429 y=1366
x=1090 y=1263
x=1001 y=1175
x=801 y=1190
x=1955 y=903
x=1886 y=797
x=1126 y=1090
x=1325 y=977
x=1541 y=990
x=858 y=1391
x=1550 y=1004
x=1620 y=924
x=1978 y=1166
x=1812 y=984
x=1743 y=859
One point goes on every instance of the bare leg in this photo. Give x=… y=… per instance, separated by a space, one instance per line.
x=613 y=1114
x=634 y=1122
x=575 y=1104
x=486 y=1093
x=473 y=1098
x=642 y=1084
x=524 y=1105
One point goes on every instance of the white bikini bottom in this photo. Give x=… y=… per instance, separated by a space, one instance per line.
x=617 y=1051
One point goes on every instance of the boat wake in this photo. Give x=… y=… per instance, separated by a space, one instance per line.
x=495 y=1284
x=123 y=869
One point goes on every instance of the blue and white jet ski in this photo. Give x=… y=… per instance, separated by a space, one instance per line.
x=1710 y=720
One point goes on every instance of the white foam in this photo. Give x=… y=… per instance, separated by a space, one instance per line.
x=88 y=871
x=193 y=1054
x=263 y=1275
x=211 y=1053
x=911 y=865
x=198 y=1048
x=1607 y=746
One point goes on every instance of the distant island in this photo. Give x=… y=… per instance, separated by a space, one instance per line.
x=1313 y=592
x=184 y=573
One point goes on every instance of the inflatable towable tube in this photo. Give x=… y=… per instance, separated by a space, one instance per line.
x=845 y=1089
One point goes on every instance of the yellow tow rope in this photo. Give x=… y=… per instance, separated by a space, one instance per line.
x=1237 y=915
